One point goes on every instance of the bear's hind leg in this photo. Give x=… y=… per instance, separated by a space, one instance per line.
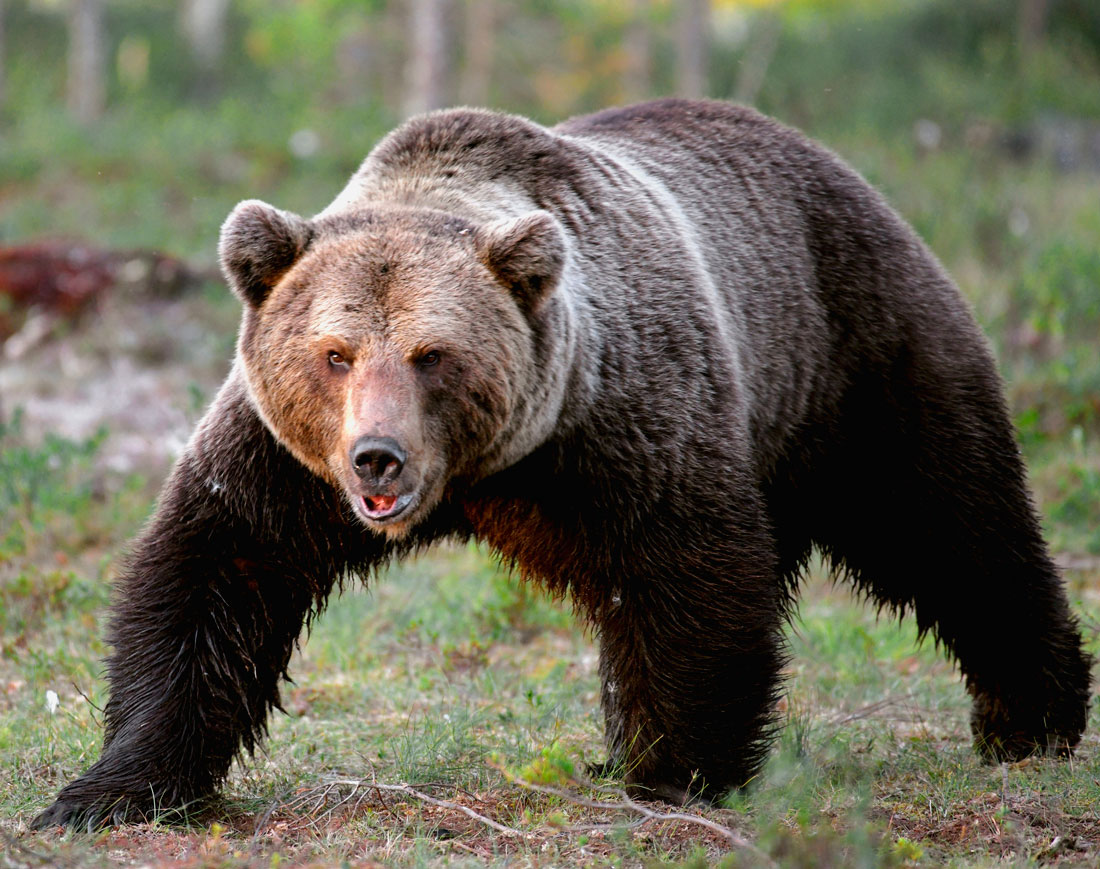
x=930 y=512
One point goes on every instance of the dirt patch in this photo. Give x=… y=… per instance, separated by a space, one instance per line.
x=141 y=367
x=1009 y=826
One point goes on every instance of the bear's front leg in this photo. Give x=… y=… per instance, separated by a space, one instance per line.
x=201 y=632
x=690 y=665
x=244 y=544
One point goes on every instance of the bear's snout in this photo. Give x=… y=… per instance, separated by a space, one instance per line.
x=377 y=461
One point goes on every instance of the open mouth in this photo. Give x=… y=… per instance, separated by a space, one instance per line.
x=381 y=507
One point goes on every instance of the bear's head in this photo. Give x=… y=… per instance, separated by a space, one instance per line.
x=393 y=350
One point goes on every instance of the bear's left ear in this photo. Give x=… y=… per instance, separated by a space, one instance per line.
x=527 y=255
x=258 y=244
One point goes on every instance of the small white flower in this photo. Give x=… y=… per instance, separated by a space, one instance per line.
x=52 y=702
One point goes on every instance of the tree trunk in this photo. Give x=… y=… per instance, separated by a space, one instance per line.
x=691 y=48
x=1032 y=24
x=203 y=25
x=426 y=65
x=480 y=46
x=87 y=91
x=638 y=69
x=763 y=40
x=1 y=59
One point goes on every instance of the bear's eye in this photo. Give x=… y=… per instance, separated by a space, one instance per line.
x=336 y=359
x=428 y=359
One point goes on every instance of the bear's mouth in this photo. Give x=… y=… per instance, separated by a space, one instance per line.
x=378 y=508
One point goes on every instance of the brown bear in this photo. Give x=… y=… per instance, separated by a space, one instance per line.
x=652 y=357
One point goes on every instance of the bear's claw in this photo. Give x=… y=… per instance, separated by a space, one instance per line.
x=71 y=814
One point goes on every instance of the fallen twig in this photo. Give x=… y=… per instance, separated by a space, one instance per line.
x=320 y=793
x=625 y=803
x=1073 y=561
x=317 y=796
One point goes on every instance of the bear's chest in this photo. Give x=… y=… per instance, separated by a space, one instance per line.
x=552 y=527
x=541 y=543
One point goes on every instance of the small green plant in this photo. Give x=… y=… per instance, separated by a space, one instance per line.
x=41 y=485
x=1079 y=508
x=553 y=766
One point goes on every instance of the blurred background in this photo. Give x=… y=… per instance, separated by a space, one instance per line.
x=129 y=128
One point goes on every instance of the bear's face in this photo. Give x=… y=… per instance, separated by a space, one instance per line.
x=389 y=350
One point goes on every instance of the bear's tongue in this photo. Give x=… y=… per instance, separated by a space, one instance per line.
x=379 y=503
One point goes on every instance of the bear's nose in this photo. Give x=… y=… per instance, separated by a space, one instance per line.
x=377 y=460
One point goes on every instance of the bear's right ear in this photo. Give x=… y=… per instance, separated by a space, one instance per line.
x=527 y=254
x=258 y=244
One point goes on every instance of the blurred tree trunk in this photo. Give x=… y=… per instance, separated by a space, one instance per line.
x=763 y=40
x=691 y=48
x=426 y=65
x=87 y=89
x=203 y=25
x=480 y=46
x=1032 y=24
x=637 y=71
x=1 y=54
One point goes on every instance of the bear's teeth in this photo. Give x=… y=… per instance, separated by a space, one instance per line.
x=379 y=503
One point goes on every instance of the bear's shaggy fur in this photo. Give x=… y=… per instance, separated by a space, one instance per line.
x=651 y=357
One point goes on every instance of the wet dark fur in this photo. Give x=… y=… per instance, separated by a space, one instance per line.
x=846 y=401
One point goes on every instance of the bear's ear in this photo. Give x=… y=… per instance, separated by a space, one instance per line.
x=527 y=255
x=258 y=244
